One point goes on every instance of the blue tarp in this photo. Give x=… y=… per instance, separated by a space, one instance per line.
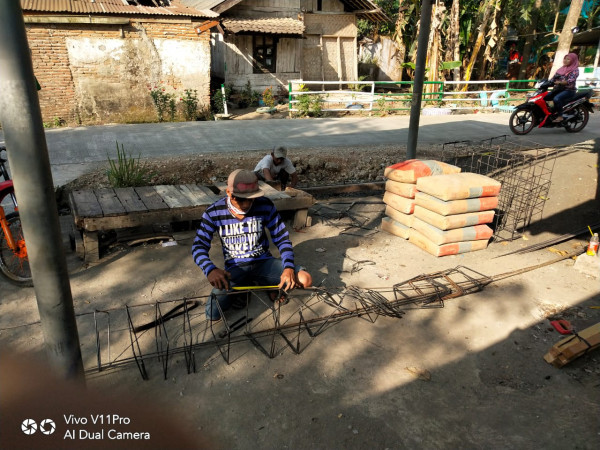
x=588 y=6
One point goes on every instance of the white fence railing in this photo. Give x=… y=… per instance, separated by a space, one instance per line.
x=371 y=95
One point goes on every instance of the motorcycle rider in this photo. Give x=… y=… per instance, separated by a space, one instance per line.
x=564 y=84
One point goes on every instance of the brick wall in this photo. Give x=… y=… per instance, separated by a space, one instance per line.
x=102 y=73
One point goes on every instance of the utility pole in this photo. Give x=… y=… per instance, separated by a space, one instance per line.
x=30 y=166
x=415 y=108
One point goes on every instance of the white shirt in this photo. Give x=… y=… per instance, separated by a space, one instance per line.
x=268 y=163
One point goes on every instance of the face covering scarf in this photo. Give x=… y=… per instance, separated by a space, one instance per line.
x=233 y=208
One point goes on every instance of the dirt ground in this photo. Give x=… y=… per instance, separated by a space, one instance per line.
x=468 y=375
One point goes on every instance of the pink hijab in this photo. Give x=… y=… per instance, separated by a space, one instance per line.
x=566 y=70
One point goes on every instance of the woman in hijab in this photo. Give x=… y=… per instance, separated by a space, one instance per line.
x=564 y=84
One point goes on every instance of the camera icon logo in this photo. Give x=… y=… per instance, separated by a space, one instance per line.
x=28 y=426
x=47 y=426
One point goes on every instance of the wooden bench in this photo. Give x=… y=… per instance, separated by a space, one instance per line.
x=120 y=208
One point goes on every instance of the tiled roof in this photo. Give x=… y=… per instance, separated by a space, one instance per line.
x=273 y=25
x=120 y=7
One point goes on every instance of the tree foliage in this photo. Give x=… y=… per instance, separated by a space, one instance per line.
x=484 y=30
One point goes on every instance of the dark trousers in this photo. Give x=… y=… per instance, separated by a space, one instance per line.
x=560 y=99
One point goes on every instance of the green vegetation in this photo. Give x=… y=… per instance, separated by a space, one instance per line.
x=190 y=104
x=309 y=105
x=127 y=171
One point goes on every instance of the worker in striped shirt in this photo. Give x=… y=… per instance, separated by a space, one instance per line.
x=241 y=220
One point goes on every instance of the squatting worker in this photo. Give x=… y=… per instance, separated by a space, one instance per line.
x=277 y=167
x=240 y=219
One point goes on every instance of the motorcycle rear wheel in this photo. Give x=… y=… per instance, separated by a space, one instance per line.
x=522 y=121
x=579 y=121
x=13 y=266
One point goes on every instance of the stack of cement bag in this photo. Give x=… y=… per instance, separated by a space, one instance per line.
x=400 y=190
x=451 y=212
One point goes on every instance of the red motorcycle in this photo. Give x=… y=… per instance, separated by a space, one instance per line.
x=535 y=111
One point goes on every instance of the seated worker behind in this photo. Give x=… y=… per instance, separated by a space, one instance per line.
x=277 y=167
x=240 y=220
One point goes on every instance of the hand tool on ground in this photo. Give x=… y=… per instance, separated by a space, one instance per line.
x=562 y=326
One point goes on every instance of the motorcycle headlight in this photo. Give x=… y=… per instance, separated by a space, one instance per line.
x=538 y=84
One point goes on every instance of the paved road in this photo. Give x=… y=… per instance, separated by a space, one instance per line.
x=74 y=151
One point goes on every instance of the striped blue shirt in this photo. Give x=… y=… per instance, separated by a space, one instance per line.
x=243 y=240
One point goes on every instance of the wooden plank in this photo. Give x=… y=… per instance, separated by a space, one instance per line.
x=204 y=194
x=145 y=218
x=91 y=249
x=195 y=195
x=293 y=203
x=110 y=204
x=574 y=346
x=173 y=197
x=271 y=192
x=150 y=198
x=130 y=200
x=221 y=186
x=85 y=204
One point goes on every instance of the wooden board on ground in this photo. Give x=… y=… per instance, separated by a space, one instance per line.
x=113 y=209
x=574 y=346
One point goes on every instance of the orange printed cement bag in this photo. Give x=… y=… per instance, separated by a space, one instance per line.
x=454 y=220
x=404 y=189
x=413 y=169
x=404 y=219
x=455 y=248
x=445 y=208
x=439 y=237
x=458 y=186
x=399 y=203
x=394 y=227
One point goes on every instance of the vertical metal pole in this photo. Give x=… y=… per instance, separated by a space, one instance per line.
x=224 y=100
x=415 y=108
x=30 y=166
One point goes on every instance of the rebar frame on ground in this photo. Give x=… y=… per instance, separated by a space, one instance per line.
x=159 y=331
x=524 y=172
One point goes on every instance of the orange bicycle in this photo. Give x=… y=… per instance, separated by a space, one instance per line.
x=14 y=264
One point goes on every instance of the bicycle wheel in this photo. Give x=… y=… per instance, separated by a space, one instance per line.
x=14 y=264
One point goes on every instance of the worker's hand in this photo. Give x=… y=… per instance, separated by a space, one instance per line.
x=288 y=280
x=219 y=279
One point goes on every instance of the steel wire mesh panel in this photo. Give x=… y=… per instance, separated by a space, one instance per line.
x=525 y=175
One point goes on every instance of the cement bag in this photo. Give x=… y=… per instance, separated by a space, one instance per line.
x=440 y=237
x=399 y=203
x=404 y=219
x=458 y=186
x=404 y=189
x=413 y=169
x=454 y=220
x=445 y=208
x=445 y=249
x=394 y=227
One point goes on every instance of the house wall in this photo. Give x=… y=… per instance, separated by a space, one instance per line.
x=93 y=73
x=332 y=37
x=261 y=8
x=326 y=5
x=239 y=64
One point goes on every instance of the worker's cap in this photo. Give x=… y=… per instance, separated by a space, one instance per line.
x=280 y=152
x=244 y=184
